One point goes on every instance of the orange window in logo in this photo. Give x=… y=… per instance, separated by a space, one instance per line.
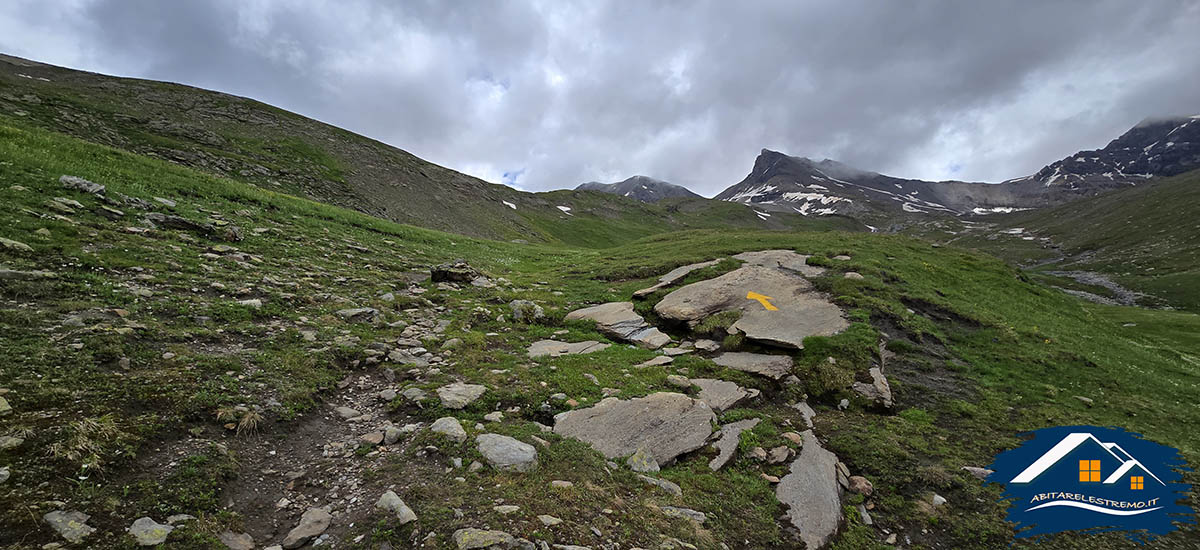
x=1135 y=482
x=1089 y=471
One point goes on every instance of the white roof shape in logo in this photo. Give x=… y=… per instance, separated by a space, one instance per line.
x=1070 y=443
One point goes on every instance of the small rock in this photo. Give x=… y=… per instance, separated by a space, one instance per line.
x=679 y=381
x=655 y=362
x=506 y=509
x=459 y=395
x=372 y=439
x=1085 y=400
x=5 y=408
x=391 y=502
x=979 y=473
x=506 y=453
x=662 y=484
x=5 y=473
x=684 y=513
x=15 y=245
x=560 y=484
x=149 y=532
x=314 y=522
x=778 y=454
x=71 y=525
x=388 y=395
x=391 y=435
x=179 y=518
x=861 y=485
x=549 y=521
x=449 y=426
x=642 y=461
x=525 y=311
x=358 y=314
x=470 y=539
x=938 y=500
x=237 y=541
x=347 y=413
x=495 y=416
x=853 y=275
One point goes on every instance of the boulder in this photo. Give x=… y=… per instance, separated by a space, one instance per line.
x=506 y=453
x=618 y=320
x=665 y=424
x=148 y=532
x=770 y=366
x=455 y=272
x=449 y=426
x=719 y=394
x=728 y=438
x=796 y=310
x=392 y=503
x=80 y=184
x=781 y=259
x=9 y=244
x=459 y=395
x=812 y=494
x=525 y=311
x=312 y=523
x=673 y=277
x=554 y=348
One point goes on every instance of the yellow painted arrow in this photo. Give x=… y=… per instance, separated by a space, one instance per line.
x=762 y=300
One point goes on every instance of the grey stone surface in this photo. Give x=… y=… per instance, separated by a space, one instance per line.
x=811 y=493
x=878 y=391
x=727 y=441
x=719 y=394
x=450 y=426
x=770 y=366
x=392 y=503
x=312 y=523
x=554 y=348
x=470 y=539
x=799 y=310
x=673 y=276
x=236 y=541
x=684 y=513
x=662 y=484
x=70 y=525
x=782 y=259
x=506 y=453
x=148 y=532
x=459 y=395
x=618 y=320
x=666 y=424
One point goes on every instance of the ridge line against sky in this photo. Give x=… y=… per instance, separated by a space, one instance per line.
x=549 y=94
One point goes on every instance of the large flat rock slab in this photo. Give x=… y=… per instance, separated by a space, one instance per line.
x=554 y=348
x=618 y=320
x=665 y=424
x=673 y=276
x=782 y=259
x=792 y=310
x=771 y=366
x=812 y=494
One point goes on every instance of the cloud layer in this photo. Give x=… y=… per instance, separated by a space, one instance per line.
x=549 y=94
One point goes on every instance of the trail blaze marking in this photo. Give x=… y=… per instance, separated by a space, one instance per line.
x=762 y=300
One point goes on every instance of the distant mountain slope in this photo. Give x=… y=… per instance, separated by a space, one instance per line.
x=1163 y=147
x=251 y=142
x=640 y=188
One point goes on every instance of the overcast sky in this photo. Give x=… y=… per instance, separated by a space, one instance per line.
x=549 y=94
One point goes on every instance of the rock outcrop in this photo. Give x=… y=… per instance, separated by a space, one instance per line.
x=665 y=424
x=812 y=493
x=618 y=320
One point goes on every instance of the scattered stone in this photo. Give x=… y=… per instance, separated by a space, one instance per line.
x=5 y=473
x=312 y=523
x=449 y=426
x=391 y=502
x=662 y=484
x=842 y=258
x=655 y=362
x=347 y=413
x=672 y=277
x=1085 y=400
x=149 y=532
x=359 y=314
x=719 y=394
x=165 y=202
x=770 y=366
x=812 y=494
x=853 y=275
x=781 y=259
x=778 y=454
x=10 y=244
x=979 y=473
x=16 y=275
x=459 y=395
x=495 y=416
x=414 y=394
x=253 y=302
x=861 y=485
x=554 y=348
x=8 y=442
x=684 y=513
x=388 y=395
x=525 y=311
x=70 y=525
x=728 y=438
x=179 y=518
x=707 y=345
x=110 y=213
x=675 y=352
x=642 y=461
x=618 y=320
x=865 y=515
x=879 y=392
x=506 y=509
x=372 y=439
x=665 y=424
x=549 y=521
x=469 y=539
x=843 y=404
x=806 y=413
x=798 y=310
x=237 y=541
x=482 y=282
x=80 y=184
x=938 y=500
x=453 y=343
x=560 y=484
x=391 y=435
x=506 y=453
x=5 y=408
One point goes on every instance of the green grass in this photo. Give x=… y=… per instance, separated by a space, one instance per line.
x=983 y=353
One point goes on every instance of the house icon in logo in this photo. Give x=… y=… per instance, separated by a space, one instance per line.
x=1098 y=462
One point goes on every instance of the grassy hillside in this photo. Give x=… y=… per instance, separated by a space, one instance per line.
x=145 y=382
x=253 y=143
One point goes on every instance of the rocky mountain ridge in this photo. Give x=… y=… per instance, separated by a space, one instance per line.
x=640 y=188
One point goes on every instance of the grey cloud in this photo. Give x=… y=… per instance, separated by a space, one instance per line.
x=686 y=92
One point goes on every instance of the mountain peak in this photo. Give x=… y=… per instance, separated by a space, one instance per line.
x=640 y=188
